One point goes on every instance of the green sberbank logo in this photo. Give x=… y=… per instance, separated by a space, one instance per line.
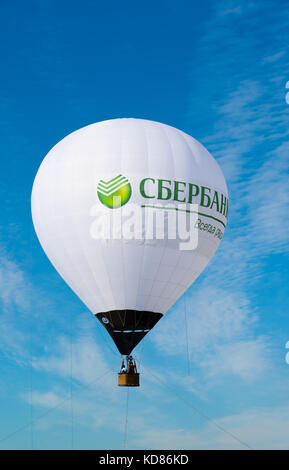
x=162 y=208
x=156 y=192
x=115 y=192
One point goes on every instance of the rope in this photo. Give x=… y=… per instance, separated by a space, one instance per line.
x=187 y=336
x=140 y=354
x=200 y=413
x=126 y=420
x=27 y=425
x=71 y=394
x=189 y=374
x=31 y=347
x=188 y=351
x=31 y=389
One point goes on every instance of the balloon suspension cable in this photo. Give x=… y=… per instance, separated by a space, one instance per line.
x=71 y=386
x=187 y=337
x=188 y=351
x=199 y=412
x=139 y=360
x=31 y=355
x=126 y=420
x=193 y=408
x=57 y=406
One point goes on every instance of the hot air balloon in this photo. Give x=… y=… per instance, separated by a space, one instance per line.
x=92 y=180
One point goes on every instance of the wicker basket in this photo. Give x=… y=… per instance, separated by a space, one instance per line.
x=128 y=380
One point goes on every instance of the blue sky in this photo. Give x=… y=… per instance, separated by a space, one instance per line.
x=216 y=70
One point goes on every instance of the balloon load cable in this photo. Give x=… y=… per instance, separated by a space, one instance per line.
x=126 y=420
x=199 y=412
x=188 y=350
x=45 y=413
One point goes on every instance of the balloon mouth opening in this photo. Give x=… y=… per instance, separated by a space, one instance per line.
x=128 y=327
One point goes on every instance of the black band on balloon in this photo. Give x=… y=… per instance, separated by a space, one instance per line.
x=128 y=327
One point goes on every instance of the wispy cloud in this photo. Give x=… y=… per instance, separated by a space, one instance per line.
x=79 y=359
x=221 y=335
x=16 y=293
x=237 y=105
x=260 y=428
x=248 y=116
x=274 y=58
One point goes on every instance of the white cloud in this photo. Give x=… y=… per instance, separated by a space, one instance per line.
x=245 y=138
x=53 y=400
x=220 y=333
x=260 y=428
x=248 y=125
x=268 y=200
x=16 y=294
x=13 y=289
x=152 y=428
x=274 y=58
x=82 y=359
x=48 y=399
x=83 y=409
x=221 y=319
x=245 y=359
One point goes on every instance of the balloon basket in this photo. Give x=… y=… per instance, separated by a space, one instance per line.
x=128 y=380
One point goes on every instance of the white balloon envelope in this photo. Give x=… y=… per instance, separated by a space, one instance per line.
x=129 y=212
